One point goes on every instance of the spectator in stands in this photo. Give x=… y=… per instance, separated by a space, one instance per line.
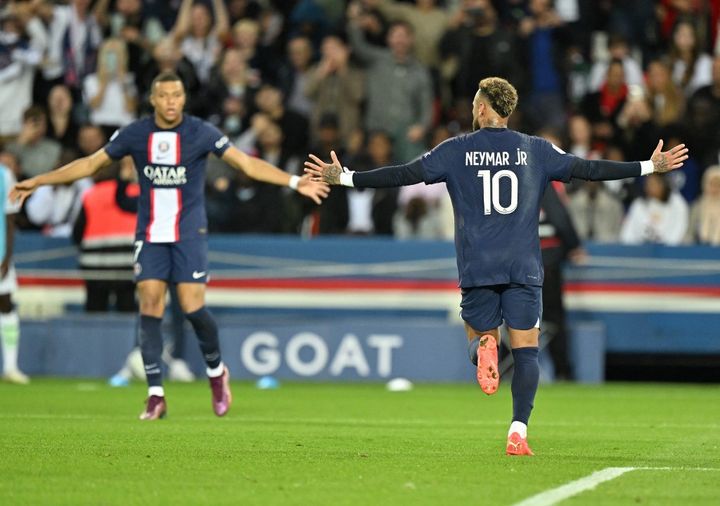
x=260 y=206
x=596 y=213
x=270 y=147
x=90 y=138
x=637 y=22
x=265 y=140
x=371 y=22
x=229 y=93
x=542 y=32
x=635 y=122
x=426 y=18
x=580 y=134
x=241 y=9
x=295 y=75
x=363 y=211
x=74 y=38
x=36 y=152
x=703 y=117
x=20 y=56
x=199 y=37
x=478 y=48
x=55 y=208
x=110 y=92
x=336 y=88
x=129 y=22
x=425 y=211
x=270 y=101
x=704 y=224
x=62 y=126
x=660 y=216
x=619 y=50
x=167 y=57
x=691 y=66
x=665 y=97
x=399 y=88
x=246 y=38
x=603 y=106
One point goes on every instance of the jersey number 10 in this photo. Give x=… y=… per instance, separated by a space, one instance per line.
x=491 y=191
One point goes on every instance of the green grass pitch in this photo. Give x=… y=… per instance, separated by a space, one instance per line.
x=78 y=442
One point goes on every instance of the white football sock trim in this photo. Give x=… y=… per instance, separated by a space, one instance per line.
x=218 y=371
x=518 y=427
x=157 y=391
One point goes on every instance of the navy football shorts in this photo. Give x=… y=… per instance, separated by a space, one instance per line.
x=486 y=307
x=174 y=262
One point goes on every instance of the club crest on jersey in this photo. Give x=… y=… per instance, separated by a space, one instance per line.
x=164 y=148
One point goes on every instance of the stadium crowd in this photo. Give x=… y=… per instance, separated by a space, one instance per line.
x=379 y=81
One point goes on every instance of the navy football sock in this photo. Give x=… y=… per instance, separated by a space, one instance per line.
x=151 y=348
x=472 y=350
x=207 y=333
x=525 y=382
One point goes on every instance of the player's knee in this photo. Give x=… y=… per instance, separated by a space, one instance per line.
x=152 y=305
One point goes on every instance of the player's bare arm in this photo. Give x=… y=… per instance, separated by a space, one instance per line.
x=665 y=161
x=265 y=172
x=392 y=176
x=77 y=169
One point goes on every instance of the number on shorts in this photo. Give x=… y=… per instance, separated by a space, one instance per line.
x=138 y=247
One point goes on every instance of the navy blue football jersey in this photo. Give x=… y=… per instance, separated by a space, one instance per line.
x=171 y=171
x=496 y=178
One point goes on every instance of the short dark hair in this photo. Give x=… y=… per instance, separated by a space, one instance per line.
x=404 y=24
x=165 y=77
x=500 y=94
x=34 y=112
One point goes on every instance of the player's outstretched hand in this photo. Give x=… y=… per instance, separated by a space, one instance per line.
x=665 y=161
x=316 y=190
x=23 y=190
x=326 y=172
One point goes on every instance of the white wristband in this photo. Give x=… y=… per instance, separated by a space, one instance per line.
x=294 y=181
x=346 y=177
x=647 y=167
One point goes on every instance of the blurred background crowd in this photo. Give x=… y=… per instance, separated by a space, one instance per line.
x=379 y=81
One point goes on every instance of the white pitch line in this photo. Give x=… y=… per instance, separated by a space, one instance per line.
x=590 y=482
x=555 y=495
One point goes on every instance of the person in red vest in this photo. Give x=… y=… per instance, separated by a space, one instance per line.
x=106 y=234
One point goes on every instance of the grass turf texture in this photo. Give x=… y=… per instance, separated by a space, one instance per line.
x=76 y=442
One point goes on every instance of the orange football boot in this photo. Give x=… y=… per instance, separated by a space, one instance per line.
x=488 y=375
x=516 y=445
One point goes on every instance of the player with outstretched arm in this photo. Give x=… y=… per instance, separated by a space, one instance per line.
x=496 y=178
x=170 y=151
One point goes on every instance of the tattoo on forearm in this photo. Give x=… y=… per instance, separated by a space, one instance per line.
x=331 y=175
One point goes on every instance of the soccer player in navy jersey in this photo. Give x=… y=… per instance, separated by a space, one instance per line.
x=496 y=178
x=170 y=151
